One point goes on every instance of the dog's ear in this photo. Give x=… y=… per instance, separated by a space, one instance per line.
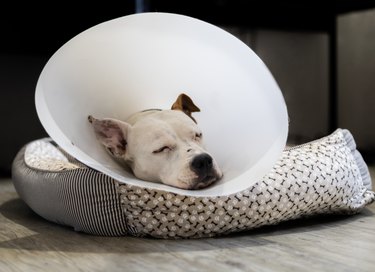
x=112 y=134
x=186 y=105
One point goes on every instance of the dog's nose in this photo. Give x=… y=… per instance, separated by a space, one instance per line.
x=202 y=165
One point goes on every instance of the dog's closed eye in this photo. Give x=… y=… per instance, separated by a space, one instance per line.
x=198 y=136
x=162 y=149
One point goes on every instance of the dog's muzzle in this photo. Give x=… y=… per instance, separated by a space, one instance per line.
x=202 y=166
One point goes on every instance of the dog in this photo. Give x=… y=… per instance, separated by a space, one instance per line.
x=164 y=146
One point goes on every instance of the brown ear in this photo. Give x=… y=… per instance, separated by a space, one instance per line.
x=112 y=134
x=186 y=105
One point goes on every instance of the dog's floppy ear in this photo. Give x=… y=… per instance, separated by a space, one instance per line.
x=186 y=105
x=112 y=134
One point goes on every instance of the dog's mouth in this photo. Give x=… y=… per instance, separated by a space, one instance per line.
x=203 y=183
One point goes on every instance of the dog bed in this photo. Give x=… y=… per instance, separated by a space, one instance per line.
x=322 y=177
x=144 y=61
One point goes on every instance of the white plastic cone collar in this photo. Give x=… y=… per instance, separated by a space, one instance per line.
x=145 y=61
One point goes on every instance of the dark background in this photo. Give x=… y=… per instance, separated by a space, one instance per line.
x=30 y=34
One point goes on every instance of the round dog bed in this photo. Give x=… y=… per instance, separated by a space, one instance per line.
x=321 y=177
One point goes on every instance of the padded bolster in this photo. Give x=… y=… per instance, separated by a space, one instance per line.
x=81 y=198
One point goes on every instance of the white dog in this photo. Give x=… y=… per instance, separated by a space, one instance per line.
x=161 y=145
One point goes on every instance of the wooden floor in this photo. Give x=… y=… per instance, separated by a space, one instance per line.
x=334 y=243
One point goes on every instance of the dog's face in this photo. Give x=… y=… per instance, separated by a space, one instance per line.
x=161 y=146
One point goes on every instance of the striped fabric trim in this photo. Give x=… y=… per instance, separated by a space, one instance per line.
x=84 y=199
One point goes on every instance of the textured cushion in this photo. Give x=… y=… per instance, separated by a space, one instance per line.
x=324 y=176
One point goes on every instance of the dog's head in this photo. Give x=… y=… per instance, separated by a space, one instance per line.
x=161 y=145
